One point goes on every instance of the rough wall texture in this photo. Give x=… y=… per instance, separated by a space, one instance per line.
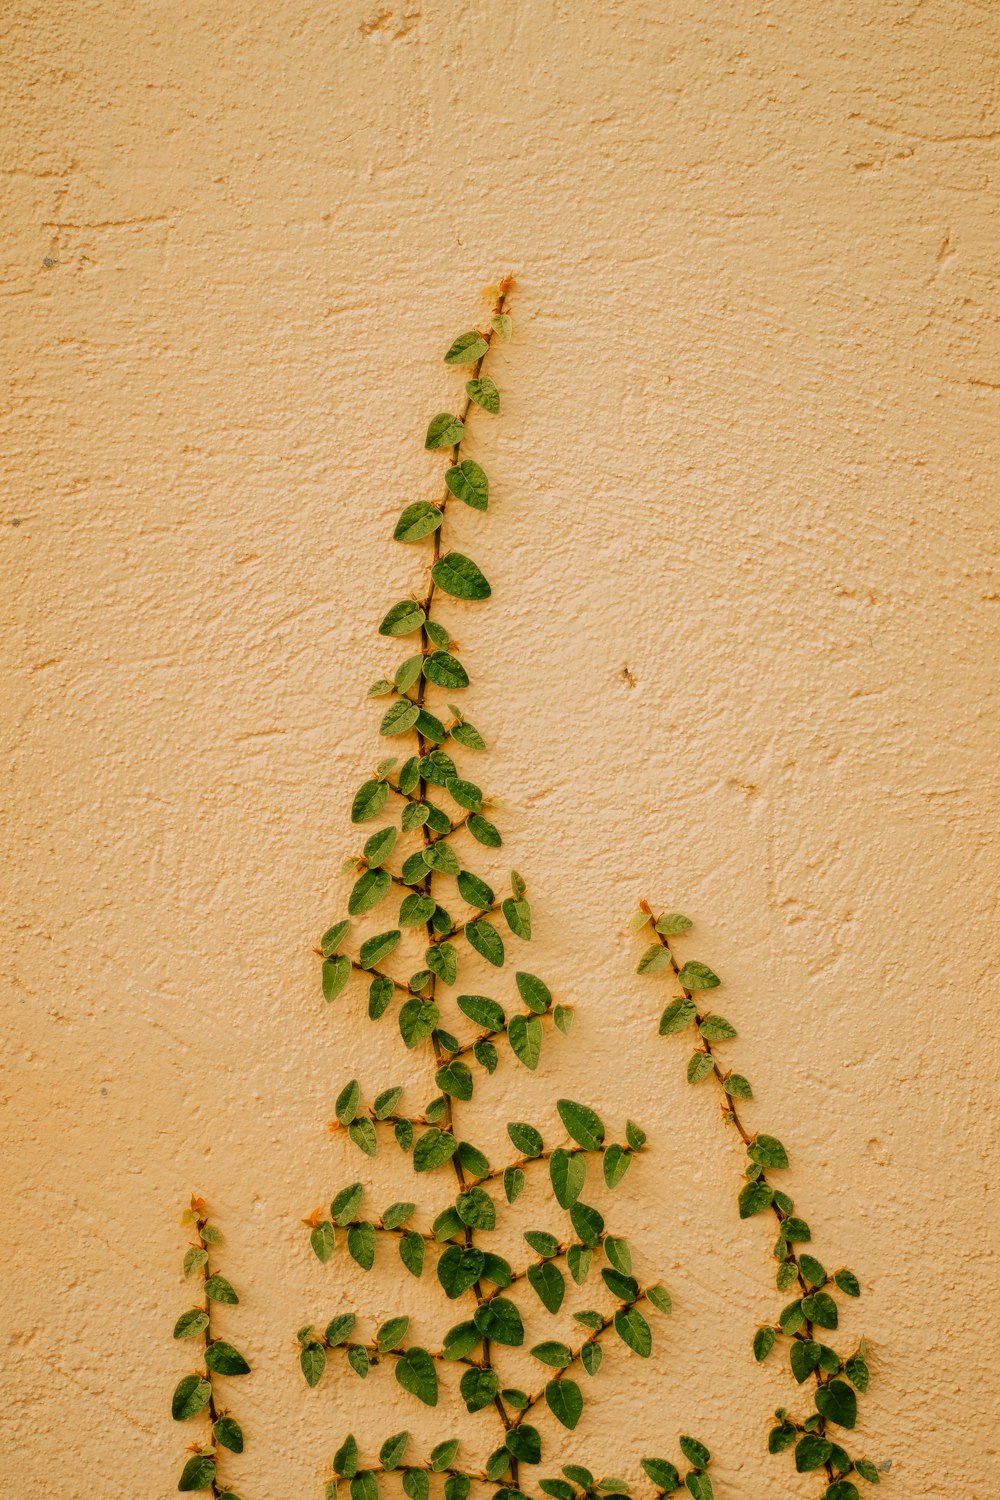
x=746 y=454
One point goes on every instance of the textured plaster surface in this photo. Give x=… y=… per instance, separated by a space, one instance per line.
x=739 y=659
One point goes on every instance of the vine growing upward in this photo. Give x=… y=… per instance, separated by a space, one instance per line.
x=434 y=824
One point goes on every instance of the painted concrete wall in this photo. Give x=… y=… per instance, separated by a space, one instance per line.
x=739 y=659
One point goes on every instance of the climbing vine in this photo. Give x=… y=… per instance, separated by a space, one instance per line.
x=197 y=1394
x=434 y=823
x=835 y=1381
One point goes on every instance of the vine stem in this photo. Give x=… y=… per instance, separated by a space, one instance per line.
x=731 y=1114
x=213 y=1413
x=449 y=1114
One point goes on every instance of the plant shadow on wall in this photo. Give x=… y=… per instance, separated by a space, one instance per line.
x=511 y=1349
x=817 y=1439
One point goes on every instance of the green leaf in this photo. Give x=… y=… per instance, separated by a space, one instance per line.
x=791 y=1319
x=591 y=1357
x=484 y=832
x=579 y=1475
x=198 y=1473
x=696 y=976
x=444 y=431
x=678 y=1014
x=619 y=1254
x=417 y=1020
x=336 y=973
x=848 y=1283
x=378 y=848
x=415 y=910
x=392 y=1450
x=468 y=482
x=485 y=1012
x=579 y=1259
x=663 y=1474
x=695 y=1452
x=867 y=1470
x=397 y=1214
x=441 y=856
x=699 y=1486
x=715 y=1029
x=219 y=1289
x=513 y=1183
x=700 y=1065
x=632 y=1328
x=542 y=1242
x=364 y=1485
x=660 y=1298
x=672 y=923
x=795 y=1231
x=836 y=1402
x=763 y=1343
x=312 y=1361
x=222 y=1359
x=478 y=1389
x=411 y=1252
x=228 y=1434
x=856 y=1370
x=476 y=1209
x=468 y=735
x=484 y=393
x=442 y=960
x=803 y=1357
x=400 y=717
x=323 y=1240
x=475 y=891
x=472 y=1161
x=362 y=1133
x=407 y=673
x=500 y=1320
x=568 y=1173
x=369 y=889
x=445 y=670
x=332 y=939
x=737 y=1086
x=377 y=948
x=437 y=768
x=442 y=1455
x=487 y=942
x=433 y=1149
x=391 y=1334
x=536 y=995
x=403 y=619
x=654 y=960
x=191 y=1396
x=503 y=326
x=459 y=576
x=416 y=1484
x=357 y=1358
x=616 y=1163
x=582 y=1124
x=565 y=1401
x=361 y=1244
x=780 y=1438
x=820 y=1309
x=620 y=1285
x=525 y=1443
x=467 y=349
x=339 y=1329
x=553 y=1353
x=191 y=1323
x=517 y=914
x=525 y=1036
x=767 y=1151
x=346 y=1204
x=416 y=1373
x=754 y=1198
x=841 y=1489
x=588 y=1223
x=416 y=521
x=548 y=1284
x=195 y=1258
x=348 y=1100
x=459 y=1268
x=813 y=1273
x=811 y=1452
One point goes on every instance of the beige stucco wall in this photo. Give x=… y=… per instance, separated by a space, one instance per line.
x=747 y=452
